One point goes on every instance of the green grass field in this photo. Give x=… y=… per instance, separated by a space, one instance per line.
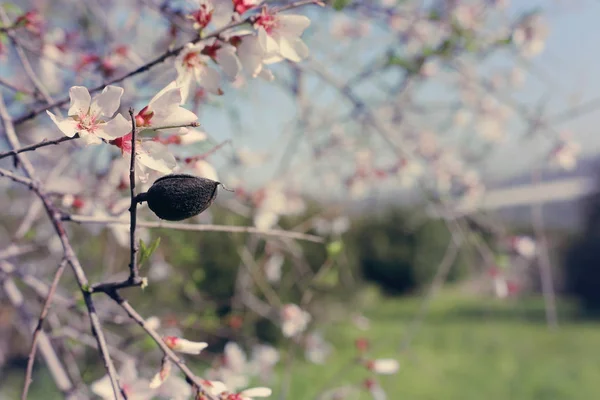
x=466 y=350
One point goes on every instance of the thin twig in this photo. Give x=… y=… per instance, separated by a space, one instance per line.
x=27 y=67
x=543 y=258
x=38 y=328
x=15 y=88
x=133 y=314
x=196 y=227
x=53 y=363
x=133 y=269
x=40 y=288
x=35 y=146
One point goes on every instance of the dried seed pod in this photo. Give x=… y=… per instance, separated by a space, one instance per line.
x=180 y=196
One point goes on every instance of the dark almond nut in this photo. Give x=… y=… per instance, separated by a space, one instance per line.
x=180 y=196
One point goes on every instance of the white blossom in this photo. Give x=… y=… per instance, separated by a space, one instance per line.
x=91 y=118
x=316 y=349
x=384 y=366
x=530 y=35
x=193 y=68
x=134 y=387
x=149 y=154
x=282 y=35
x=165 y=111
x=294 y=320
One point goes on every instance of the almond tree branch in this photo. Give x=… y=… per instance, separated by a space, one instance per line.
x=36 y=146
x=38 y=328
x=171 y=53
x=15 y=88
x=40 y=288
x=50 y=357
x=55 y=217
x=27 y=67
x=196 y=227
x=133 y=314
x=134 y=274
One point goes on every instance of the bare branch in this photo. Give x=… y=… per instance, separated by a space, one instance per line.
x=133 y=314
x=196 y=227
x=133 y=269
x=48 y=353
x=55 y=217
x=38 y=328
x=35 y=146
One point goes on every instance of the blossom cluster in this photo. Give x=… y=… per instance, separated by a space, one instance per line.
x=273 y=37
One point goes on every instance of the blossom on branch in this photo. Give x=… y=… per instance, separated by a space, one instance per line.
x=294 y=320
x=164 y=112
x=383 y=366
x=89 y=118
x=241 y=6
x=220 y=390
x=149 y=154
x=217 y=12
x=530 y=35
x=131 y=385
x=283 y=33
x=252 y=53
x=183 y=345
x=192 y=67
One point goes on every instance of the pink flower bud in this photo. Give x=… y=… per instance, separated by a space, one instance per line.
x=183 y=345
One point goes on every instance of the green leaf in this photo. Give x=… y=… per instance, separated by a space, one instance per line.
x=339 y=5
x=502 y=260
x=329 y=279
x=19 y=96
x=335 y=248
x=146 y=252
x=12 y=8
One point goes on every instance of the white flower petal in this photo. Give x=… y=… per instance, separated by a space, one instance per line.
x=107 y=102
x=266 y=74
x=80 y=100
x=186 y=346
x=209 y=78
x=169 y=87
x=193 y=136
x=116 y=127
x=385 y=366
x=185 y=81
x=205 y=169
x=257 y=392
x=293 y=49
x=251 y=55
x=68 y=126
x=102 y=387
x=156 y=156
x=235 y=356
x=165 y=103
x=215 y=387
x=128 y=371
x=178 y=117
x=265 y=220
x=292 y=25
x=89 y=138
x=222 y=13
x=227 y=59
x=268 y=44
